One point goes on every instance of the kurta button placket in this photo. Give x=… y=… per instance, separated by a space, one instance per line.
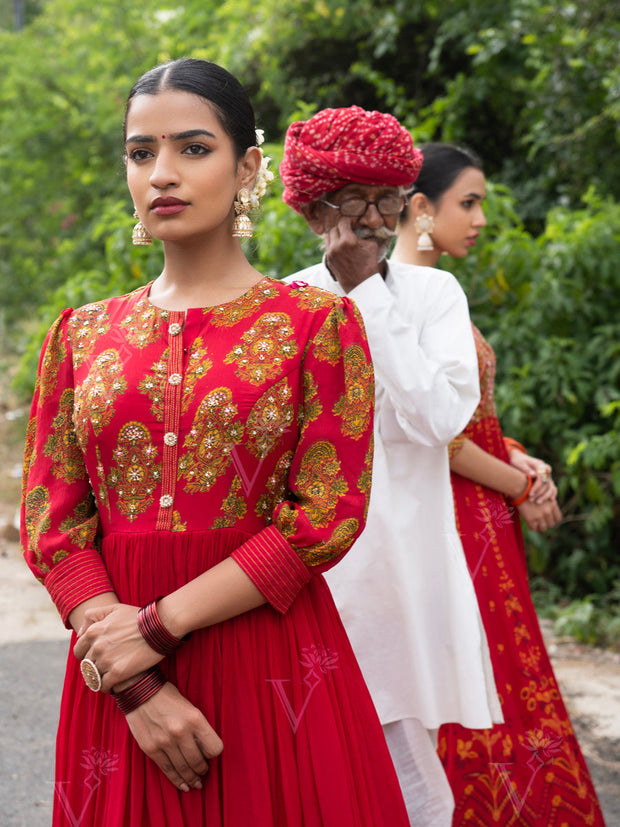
x=173 y=394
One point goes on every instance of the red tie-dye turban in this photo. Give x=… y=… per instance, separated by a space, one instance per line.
x=345 y=146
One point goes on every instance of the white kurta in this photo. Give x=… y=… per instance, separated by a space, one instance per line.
x=404 y=592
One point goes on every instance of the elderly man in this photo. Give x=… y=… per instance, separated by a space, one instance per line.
x=404 y=592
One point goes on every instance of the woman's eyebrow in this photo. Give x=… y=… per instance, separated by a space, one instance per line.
x=175 y=136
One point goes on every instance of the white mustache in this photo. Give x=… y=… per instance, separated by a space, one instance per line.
x=379 y=234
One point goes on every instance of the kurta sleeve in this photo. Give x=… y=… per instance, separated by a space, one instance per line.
x=330 y=474
x=424 y=362
x=59 y=521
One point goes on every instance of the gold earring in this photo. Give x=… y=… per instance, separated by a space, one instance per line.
x=140 y=235
x=424 y=226
x=242 y=226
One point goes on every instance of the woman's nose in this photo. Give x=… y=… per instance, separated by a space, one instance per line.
x=164 y=172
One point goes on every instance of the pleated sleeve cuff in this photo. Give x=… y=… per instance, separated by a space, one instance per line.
x=274 y=567
x=79 y=577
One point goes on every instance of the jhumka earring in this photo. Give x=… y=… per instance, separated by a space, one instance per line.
x=424 y=226
x=140 y=235
x=242 y=226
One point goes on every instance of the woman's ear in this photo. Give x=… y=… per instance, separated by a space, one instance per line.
x=248 y=166
x=313 y=213
x=419 y=204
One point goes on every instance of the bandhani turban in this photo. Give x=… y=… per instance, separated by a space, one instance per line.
x=344 y=146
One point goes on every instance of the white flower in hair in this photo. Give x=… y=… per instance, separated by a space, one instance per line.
x=264 y=176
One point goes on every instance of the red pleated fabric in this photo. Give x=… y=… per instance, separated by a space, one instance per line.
x=528 y=772
x=275 y=687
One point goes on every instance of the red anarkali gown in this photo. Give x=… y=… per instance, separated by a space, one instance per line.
x=529 y=771
x=162 y=442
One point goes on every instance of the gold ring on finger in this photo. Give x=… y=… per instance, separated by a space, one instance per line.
x=91 y=675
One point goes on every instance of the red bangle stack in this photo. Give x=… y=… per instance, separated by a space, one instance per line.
x=524 y=494
x=134 y=696
x=154 y=632
x=511 y=443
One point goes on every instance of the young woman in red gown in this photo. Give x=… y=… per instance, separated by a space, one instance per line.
x=528 y=771
x=199 y=452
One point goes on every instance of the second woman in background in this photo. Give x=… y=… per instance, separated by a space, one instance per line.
x=529 y=770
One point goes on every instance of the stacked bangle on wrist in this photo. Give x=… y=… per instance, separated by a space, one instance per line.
x=138 y=693
x=511 y=443
x=154 y=632
x=524 y=494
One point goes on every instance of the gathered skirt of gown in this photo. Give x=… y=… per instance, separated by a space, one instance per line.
x=529 y=771
x=302 y=742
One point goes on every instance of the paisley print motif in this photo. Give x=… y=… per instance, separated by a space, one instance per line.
x=81 y=526
x=227 y=315
x=215 y=432
x=154 y=384
x=313 y=407
x=135 y=471
x=327 y=342
x=276 y=489
x=62 y=446
x=38 y=521
x=142 y=327
x=356 y=403
x=233 y=507
x=87 y=326
x=265 y=346
x=320 y=482
x=272 y=415
x=95 y=397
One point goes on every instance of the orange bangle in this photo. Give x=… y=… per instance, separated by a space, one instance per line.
x=523 y=496
x=511 y=443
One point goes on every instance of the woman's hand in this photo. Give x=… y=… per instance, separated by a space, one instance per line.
x=109 y=636
x=543 y=489
x=176 y=736
x=540 y=516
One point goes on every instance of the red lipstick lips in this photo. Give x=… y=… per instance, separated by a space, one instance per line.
x=168 y=205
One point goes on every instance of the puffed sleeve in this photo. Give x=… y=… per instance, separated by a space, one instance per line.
x=331 y=469
x=423 y=353
x=59 y=521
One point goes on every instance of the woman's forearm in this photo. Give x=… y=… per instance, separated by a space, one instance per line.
x=477 y=465
x=222 y=592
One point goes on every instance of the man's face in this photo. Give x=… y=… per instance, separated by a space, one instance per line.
x=373 y=202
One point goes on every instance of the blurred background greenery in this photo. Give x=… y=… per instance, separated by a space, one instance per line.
x=533 y=87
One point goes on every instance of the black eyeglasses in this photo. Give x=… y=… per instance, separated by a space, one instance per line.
x=356 y=207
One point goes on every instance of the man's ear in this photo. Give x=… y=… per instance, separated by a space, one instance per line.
x=313 y=213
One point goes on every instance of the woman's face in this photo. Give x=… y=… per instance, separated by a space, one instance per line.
x=182 y=169
x=458 y=215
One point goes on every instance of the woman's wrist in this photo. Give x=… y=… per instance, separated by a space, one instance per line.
x=523 y=495
x=155 y=632
x=140 y=691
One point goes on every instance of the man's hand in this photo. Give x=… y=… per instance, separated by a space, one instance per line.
x=352 y=259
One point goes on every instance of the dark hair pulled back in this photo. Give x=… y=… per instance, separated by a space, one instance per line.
x=442 y=165
x=209 y=81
